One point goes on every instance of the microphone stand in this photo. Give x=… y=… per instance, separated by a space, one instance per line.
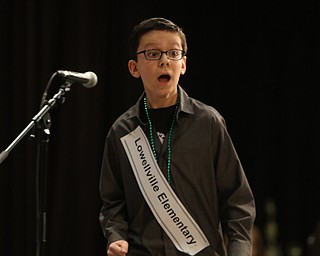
x=43 y=121
x=42 y=135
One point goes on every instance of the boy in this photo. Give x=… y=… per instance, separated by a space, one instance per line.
x=171 y=181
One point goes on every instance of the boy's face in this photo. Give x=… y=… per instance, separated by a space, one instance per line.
x=159 y=77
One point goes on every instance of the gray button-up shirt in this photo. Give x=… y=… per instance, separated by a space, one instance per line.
x=206 y=175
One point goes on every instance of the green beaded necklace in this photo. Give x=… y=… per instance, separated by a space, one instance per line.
x=169 y=137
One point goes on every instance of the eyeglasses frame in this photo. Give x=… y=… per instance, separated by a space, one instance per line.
x=162 y=52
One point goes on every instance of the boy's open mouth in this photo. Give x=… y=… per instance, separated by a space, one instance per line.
x=164 y=78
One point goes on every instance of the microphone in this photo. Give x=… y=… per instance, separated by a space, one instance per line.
x=87 y=79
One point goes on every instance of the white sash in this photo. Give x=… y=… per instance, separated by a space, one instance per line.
x=173 y=217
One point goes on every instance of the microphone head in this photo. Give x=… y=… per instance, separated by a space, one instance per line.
x=93 y=79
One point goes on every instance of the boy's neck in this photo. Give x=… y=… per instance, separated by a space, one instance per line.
x=161 y=102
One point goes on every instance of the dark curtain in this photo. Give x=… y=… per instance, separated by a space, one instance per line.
x=256 y=62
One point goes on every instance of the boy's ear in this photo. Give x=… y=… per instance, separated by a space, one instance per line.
x=184 y=65
x=133 y=69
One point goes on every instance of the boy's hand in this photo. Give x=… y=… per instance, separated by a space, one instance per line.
x=118 y=248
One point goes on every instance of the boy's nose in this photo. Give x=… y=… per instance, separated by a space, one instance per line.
x=164 y=60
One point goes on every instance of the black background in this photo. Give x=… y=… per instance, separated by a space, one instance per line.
x=256 y=62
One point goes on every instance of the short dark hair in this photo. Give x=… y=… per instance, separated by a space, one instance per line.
x=151 y=24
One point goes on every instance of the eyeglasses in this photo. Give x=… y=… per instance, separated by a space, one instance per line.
x=154 y=54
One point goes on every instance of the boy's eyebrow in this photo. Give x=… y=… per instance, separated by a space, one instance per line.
x=149 y=45
x=154 y=46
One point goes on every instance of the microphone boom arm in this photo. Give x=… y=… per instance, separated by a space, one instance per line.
x=38 y=117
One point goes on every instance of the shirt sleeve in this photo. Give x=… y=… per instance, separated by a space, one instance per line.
x=113 y=214
x=237 y=206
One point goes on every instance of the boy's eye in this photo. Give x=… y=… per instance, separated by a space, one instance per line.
x=153 y=53
x=173 y=53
